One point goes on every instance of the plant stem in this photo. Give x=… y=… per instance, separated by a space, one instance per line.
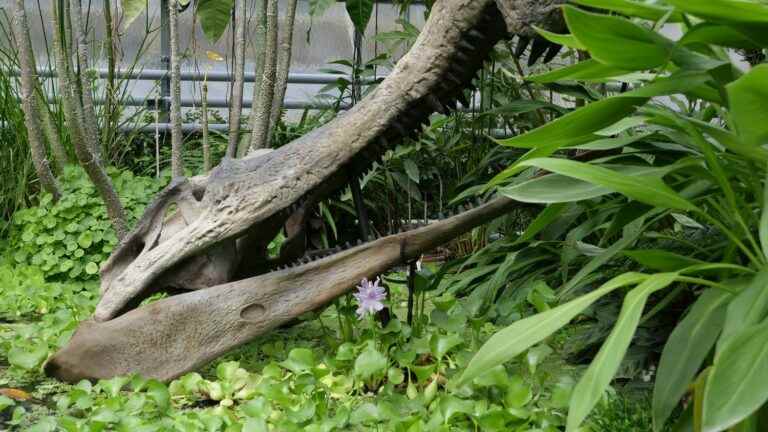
x=261 y=44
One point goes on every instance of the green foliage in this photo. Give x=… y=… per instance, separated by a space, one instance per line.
x=693 y=163
x=70 y=239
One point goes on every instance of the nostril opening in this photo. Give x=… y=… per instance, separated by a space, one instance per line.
x=198 y=193
x=253 y=312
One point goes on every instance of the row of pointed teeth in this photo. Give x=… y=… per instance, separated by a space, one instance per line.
x=405 y=228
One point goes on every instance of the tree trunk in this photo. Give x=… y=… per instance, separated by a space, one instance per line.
x=262 y=112
x=260 y=16
x=51 y=132
x=177 y=161
x=236 y=104
x=90 y=125
x=81 y=138
x=110 y=97
x=29 y=101
x=284 y=66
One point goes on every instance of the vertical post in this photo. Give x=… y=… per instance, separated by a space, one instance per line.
x=165 y=60
x=411 y=290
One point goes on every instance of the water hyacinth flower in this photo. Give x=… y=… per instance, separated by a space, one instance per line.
x=369 y=297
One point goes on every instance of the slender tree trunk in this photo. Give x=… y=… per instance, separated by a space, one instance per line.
x=283 y=67
x=206 y=143
x=29 y=101
x=263 y=106
x=51 y=133
x=263 y=110
x=259 y=54
x=75 y=116
x=177 y=161
x=236 y=104
x=110 y=99
x=79 y=35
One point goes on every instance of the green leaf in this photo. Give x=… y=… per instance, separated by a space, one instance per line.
x=661 y=260
x=730 y=10
x=360 y=13
x=587 y=70
x=91 y=268
x=412 y=170
x=158 y=392
x=633 y=8
x=299 y=360
x=567 y=40
x=685 y=352
x=707 y=33
x=370 y=362
x=440 y=345
x=28 y=358
x=518 y=337
x=648 y=190
x=214 y=16
x=556 y=188
x=738 y=382
x=747 y=309
x=598 y=376
x=131 y=10
x=5 y=402
x=542 y=221
x=747 y=97
x=619 y=43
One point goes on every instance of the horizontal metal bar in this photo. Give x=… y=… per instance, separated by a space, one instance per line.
x=187 y=102
x=212 y=76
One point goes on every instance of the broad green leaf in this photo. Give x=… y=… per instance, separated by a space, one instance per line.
x=685 y=352
x=747 y=97
x=738 y=382
x=556 y=188
x=764 y=219
x=661 y=260
x=214 y=16
x=619 y=43
x=633 y=8
x=731 y=10
x=587 y=70
x=507 y=343
x=646 y=189
x=567 y=40
x=131 y=9
x=370 y=362
x=28 y=358
x=598 y=376
x=708 y=33
x=748 y=308
x=299 y=360
x=360 y=13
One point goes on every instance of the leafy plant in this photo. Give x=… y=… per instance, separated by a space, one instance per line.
x=685 y=146
x=71 y=238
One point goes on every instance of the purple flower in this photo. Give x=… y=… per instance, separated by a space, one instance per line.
x=369 y=297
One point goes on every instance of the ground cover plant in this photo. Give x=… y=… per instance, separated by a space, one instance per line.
x=625 y=292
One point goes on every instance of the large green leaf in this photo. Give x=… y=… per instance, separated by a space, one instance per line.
x=732 y=10
x=556 y=188
x=587 y=70
x=748 y=96
x=708 y=33
x=214 y=16
x=518 y=337
x=567 y=40
x=598 y=376
x=685 y=352
x=747 y=309
x=619 y=42
x=738 y=382
x=131 y=10
x=633 y=8
x=661 y=260
x=360 y=13
x=648 y=190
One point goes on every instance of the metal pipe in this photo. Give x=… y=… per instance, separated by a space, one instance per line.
x=212 y=76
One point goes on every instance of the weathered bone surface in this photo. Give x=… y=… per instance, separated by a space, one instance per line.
x=181 y=333
x=206 y=232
